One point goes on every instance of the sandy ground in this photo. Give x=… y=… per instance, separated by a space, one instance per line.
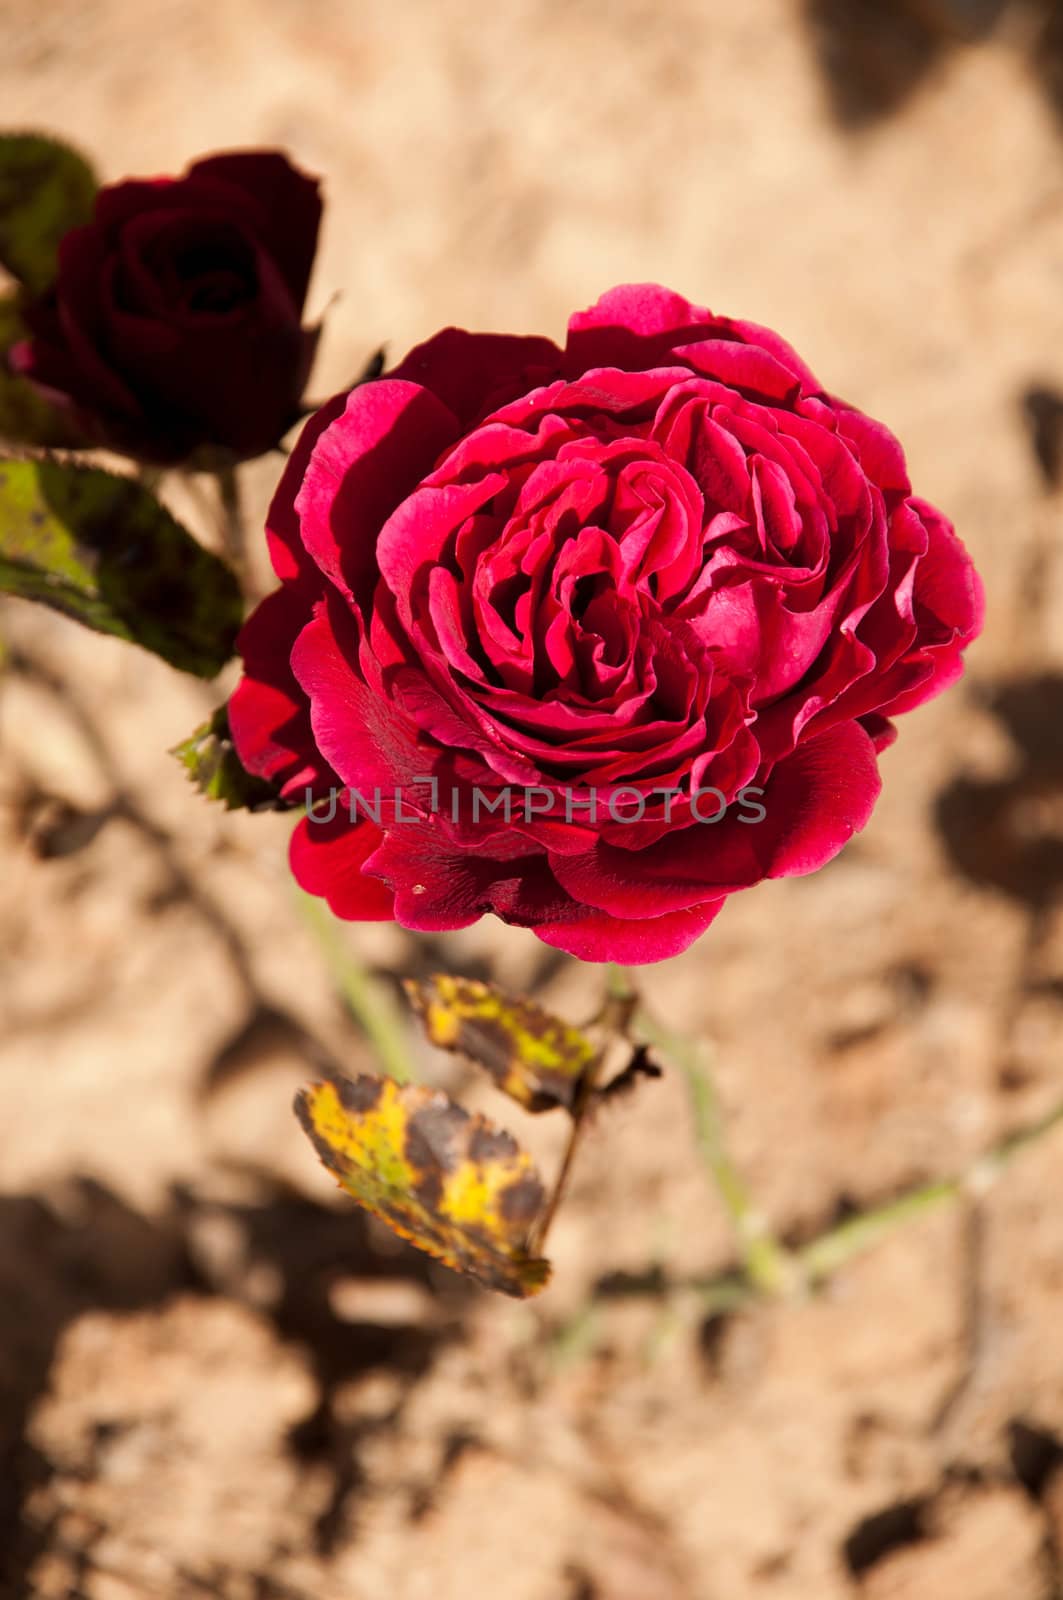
x=216 y=1381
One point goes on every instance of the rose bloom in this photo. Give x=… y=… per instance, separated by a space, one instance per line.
x=660 y=562
x=175 y=323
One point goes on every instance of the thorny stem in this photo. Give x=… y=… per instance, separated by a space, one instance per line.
x=365 y=998
x=769 y=1268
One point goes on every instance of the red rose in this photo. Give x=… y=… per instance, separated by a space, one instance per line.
x=661 y=565
x=175 y=322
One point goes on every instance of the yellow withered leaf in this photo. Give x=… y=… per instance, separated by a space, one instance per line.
x=534 y=1057
x=453 y=1184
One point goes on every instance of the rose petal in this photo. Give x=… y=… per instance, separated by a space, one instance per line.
x=362 y=466
x=813 y=803
x=767 y=339
x=200 y=370
x=472 y=373
x=269 y=714
x=67 y=356
x=363 y=737
x=287 y=207
x=291 y=560
x=438 y=888
x=596 y=937
x=327 y=859
x=745 y=367
x=632 y=327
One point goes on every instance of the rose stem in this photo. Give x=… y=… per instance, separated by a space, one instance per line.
x=232 y=520
x=584 y=1095
x=149 y=478
x=615 y=1018
x=822 y=1257
x=850 y=1238
x=366 y=1000
x=769 y=1268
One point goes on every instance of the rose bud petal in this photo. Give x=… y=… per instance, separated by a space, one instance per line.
x=175 y=323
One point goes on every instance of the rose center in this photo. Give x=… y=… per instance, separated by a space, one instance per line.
x=206 y=269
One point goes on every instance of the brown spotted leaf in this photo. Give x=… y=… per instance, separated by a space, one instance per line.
x=451 y=1183
x=534 y=1057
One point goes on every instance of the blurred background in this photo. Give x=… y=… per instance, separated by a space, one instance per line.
x=215 y=1380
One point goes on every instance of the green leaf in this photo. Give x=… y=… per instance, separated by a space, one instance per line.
x=45 y=189
x=210 y=760
x=103 y=550
x=24 y=417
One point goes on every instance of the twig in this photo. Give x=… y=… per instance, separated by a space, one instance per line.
x=582 y=1103
x=365 y=998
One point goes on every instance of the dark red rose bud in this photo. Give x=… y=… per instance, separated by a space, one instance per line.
x=591 y=638
x=175 y=324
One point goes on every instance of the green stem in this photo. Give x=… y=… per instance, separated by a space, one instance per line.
x=767 y=1268
x=149 y=478
x=823 y=1256
x=366 y=1000
x=233 y=532
x=770 y=1269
